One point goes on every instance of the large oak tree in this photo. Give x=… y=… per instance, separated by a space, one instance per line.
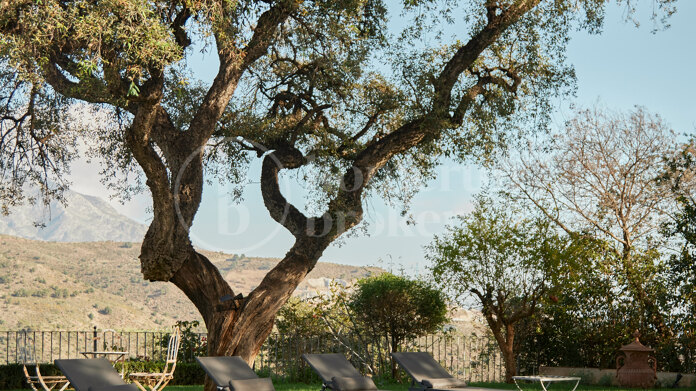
x=319 y=88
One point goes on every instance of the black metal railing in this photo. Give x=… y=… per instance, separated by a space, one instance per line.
x=465 y=356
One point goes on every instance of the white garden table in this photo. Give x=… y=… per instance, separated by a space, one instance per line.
x=546 y=380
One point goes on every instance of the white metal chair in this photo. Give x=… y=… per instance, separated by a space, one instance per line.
x=158 y=380
x=37 y=381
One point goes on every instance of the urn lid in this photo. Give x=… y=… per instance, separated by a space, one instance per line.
x=636 y=346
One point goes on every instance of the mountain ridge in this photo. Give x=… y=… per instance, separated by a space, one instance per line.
x=85 y=218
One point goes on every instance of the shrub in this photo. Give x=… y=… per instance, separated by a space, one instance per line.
x=59 y=292
x=11 y=377
x=21 y=292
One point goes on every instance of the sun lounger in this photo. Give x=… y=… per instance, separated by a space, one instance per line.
x=337 y=373
x=93 y=374
x=426 y=373
x=233 y=374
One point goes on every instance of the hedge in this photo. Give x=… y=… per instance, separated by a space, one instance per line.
x=12 y=376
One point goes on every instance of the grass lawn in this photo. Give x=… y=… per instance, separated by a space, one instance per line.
x=281 y=386
x=566 y=386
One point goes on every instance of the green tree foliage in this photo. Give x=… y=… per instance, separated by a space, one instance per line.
x=586 y=315
x=505 y=264
x=398 y=308
x=347 y=330
x=329 y=317
x=680 y=177
x=591 y=319
x=370 y=319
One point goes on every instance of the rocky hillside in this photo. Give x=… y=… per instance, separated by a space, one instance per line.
x=84 y=219
x=52 y=285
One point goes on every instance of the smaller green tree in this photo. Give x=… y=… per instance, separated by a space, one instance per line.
x=398 y=308
x=507 y=266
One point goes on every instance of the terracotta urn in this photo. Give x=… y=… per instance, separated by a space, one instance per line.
x=635 y=365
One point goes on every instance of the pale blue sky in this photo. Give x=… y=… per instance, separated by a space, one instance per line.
x=622 y=67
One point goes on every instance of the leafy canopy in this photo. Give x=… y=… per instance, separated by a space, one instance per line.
x=333 y=81
x=398 y=307
x=500 y=260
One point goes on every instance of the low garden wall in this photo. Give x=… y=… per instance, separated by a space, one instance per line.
x=607 y=377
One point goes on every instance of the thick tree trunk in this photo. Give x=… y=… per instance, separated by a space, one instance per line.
x=203 y=284
x=258 y=311
x=509 y=353
x=240 y=327
x=504 y=335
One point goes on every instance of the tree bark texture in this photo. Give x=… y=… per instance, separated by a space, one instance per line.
x=504 y=334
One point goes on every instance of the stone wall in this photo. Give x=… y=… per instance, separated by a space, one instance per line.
x=608 y=376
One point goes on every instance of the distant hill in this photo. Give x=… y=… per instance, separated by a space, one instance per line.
x=53 y=285
x=84 y=219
